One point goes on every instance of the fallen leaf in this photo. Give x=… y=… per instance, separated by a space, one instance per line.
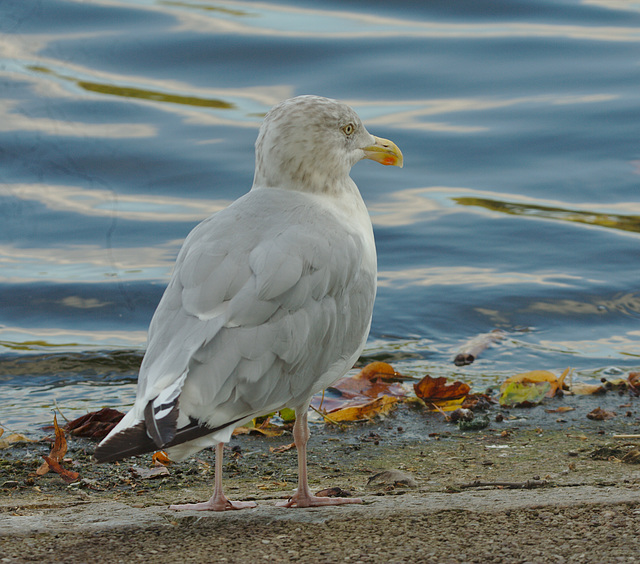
x=524 y=394
x=375 y=379
x=282 y=448
x=58 y=450
x=96 y=424
x=581 y=389
x=560 y=409
x=436 y=391
x=599 y=414
x=371 y=392
x=12 y=439
x=478 y=401
x=634 y=383
x=539 y=376
x=382 y=370
x=361 y=411
x=149 y=473
x=288 y=415
x=161 y=458
x=67 y=475
x=260 y=426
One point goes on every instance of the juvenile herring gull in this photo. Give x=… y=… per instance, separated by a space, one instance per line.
x=270 y=300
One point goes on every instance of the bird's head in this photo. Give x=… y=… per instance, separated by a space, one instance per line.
x=310 y=143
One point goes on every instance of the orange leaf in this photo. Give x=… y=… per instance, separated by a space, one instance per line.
x=67 y=475
x=375 y=379
x=161 y=458
x=58 y=450
x=433 y=390
x=378 y=370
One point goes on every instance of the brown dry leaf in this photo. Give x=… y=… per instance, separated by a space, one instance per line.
x=158 y=471
x=67 y=475
x=96 y=424
x=58 y=450
x=478 y=401
x=373 y=391
x=376 y=407
x=561 y=409
x=536 y=377
x=634 y=383
x=599 y=414
x=581 y=389
x=436 y=391
x=282 y=448
x=375 y=379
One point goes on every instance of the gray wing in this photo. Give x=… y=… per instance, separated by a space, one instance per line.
x=269 y=302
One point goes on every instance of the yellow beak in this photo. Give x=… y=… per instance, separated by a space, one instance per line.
x=384 y=152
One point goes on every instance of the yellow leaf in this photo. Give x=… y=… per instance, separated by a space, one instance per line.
x=377 y=407
x=13 y=438
x=538 y=376
x=524 y=393
x=446 y=405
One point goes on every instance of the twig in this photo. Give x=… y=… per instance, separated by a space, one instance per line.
x=326 y=417
x=59 y=410
x=442 y=411
x=7 y=428
x=472 y=349
x=529 y=484
x=626 y=436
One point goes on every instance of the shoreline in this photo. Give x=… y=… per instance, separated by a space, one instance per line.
x=579 y=500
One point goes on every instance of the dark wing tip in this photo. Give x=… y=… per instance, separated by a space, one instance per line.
x=129 y=442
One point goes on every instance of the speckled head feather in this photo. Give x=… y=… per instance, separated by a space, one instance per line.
x=309 y=144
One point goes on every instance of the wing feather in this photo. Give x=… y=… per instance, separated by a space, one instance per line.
x=259 y=319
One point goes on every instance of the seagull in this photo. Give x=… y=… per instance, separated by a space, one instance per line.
x=270 y=300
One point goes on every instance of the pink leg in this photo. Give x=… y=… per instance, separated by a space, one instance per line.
x=218 y=501
x=303 y=496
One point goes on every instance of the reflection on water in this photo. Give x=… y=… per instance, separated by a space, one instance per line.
x=468 y=276
x=626 y=303
x=608 y=220
x=92 y=202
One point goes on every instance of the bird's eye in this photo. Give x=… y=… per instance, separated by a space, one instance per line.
x=349 y=129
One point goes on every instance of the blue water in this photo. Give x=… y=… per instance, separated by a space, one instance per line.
x=123 y=123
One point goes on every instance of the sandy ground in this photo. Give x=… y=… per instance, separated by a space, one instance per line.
x=535 y=487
